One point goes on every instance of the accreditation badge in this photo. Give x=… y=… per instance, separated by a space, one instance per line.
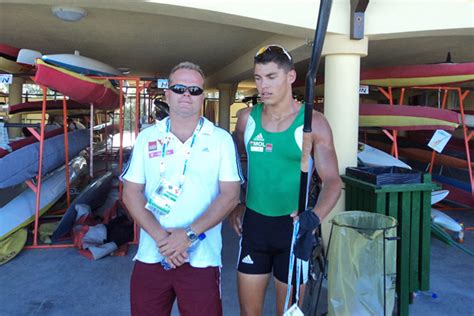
x=163 y=198
x=294 y=310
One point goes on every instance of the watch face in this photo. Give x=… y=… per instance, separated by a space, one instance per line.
x=191 y=235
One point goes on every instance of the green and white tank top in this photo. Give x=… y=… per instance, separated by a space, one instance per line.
x=273 y=165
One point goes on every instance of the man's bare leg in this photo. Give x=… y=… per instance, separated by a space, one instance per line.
x=251 y=288
x=280 y=291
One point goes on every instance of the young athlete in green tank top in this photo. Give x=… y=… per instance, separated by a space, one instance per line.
x=273 y=160
x=270 y=134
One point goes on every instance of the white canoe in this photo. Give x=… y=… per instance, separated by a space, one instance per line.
x=445 y=221
x=28 y=56
x=373 y=157
x=20 y=211
x=438 y=196
x=81 y=64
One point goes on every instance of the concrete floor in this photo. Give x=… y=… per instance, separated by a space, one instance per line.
x=62 y=282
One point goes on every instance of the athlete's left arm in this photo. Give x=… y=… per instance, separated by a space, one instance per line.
x=325 y=160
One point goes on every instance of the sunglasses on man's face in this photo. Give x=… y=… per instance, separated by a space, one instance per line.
x=181 y=89
x=273 y=48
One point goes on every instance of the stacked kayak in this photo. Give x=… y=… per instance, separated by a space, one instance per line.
x=20 y=211
x=22 y=164
x=35 y=106
x=418 y=75
x=407 y=117
x=17 y=144
x=81 y=64
x=373 y=157
x=93 y=195
x=8 y=63
x=80 y=88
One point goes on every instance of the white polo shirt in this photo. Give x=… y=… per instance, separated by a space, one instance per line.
x=213 y=158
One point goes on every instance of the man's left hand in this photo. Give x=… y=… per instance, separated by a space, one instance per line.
x=176 y=243
x=178 y=260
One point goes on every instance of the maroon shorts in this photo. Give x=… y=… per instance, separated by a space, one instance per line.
x=154 y=289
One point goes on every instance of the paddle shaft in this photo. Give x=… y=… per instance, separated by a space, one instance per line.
x=319 y=35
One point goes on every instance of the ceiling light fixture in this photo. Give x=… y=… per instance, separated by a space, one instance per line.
x=124 y=70
x=70 y=14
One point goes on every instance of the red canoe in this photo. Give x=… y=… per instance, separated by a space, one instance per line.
x=8 y=55
x=418 y=75
x=406 y=117
x=34 y=106
x=80 y=88
x=411 y=76
x=9 y=52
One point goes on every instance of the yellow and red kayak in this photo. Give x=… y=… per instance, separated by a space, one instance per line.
x=418 y=75
x=407 y=117
x=8 y=55
x=411 y=76
x=79 y=88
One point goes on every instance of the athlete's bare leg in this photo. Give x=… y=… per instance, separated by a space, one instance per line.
x=251 y=288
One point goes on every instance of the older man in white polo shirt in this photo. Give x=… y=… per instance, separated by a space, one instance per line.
x=182 y=181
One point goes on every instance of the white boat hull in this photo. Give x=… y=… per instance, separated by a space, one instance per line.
x=20 y=211
x=445 y=221
x=438 y=196
x=81 y=64
x=373 y=157
x=28 y=56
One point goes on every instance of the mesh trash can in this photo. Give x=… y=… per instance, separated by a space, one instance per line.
x=362 y=268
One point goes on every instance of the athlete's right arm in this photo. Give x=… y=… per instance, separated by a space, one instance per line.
x=235 y=217
x=242 y=119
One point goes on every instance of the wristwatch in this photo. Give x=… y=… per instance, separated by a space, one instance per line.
x=192 y=236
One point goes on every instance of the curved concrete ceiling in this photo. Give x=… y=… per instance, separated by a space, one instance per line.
x=148 y=44
x=150 y=38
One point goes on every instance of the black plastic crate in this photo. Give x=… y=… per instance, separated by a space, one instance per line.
x=384 y=175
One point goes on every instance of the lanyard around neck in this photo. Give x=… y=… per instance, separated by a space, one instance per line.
x=188 y=150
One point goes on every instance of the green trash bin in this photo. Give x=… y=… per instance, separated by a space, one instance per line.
x=410 y=204
x=362 y=264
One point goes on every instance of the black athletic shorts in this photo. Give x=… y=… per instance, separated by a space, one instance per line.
x=265 y=245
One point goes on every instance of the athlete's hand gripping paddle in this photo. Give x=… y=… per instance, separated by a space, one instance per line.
x=305 y=240
x=323 y=19
x=320 y=33
x=302 y=241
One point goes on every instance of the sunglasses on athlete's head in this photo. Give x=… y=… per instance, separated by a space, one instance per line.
x=275 y=49
x=181 y=89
